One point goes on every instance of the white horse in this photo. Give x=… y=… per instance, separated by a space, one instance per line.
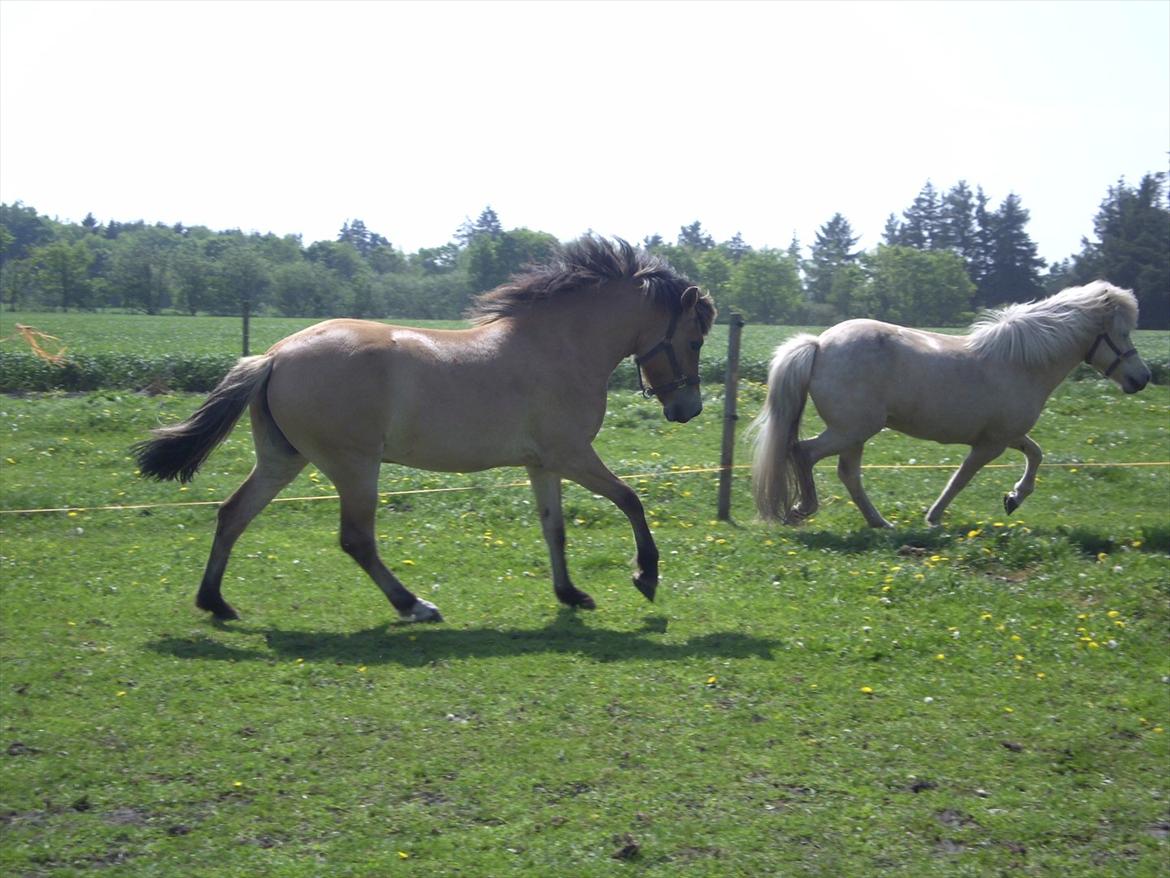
x=985 y=389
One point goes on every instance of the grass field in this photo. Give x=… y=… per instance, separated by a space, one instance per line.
x=988 y=698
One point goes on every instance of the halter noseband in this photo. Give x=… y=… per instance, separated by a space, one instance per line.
x=680 y=379
x=1118 y=352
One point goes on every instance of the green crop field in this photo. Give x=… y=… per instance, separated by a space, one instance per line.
x=987 y=698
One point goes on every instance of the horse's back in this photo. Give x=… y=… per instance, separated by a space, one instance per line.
x=925 y=384
x=433 y=399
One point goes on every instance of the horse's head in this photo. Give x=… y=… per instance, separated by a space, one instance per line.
x=1112 y=352
x=669 y=369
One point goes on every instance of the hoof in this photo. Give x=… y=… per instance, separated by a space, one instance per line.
x=220 y=609
x=422 y=611
x=576 y=599
x=648 y=585
x=1010 y=504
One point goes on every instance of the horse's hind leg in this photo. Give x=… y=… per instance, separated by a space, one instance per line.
x=1027 y=484
x=979 y=457
x=547 y=488
x=849 y=448
x=849 y=471
x=357 y=485
x=806 y=486
x=277 y=464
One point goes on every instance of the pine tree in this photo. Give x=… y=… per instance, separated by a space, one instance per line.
x=922 y=226
x=694 y=237
x=1132 y=248
x=832 y=250
x=1014 y=271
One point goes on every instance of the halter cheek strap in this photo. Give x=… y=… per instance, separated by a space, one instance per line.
x=1118 y=352
x=664 y=346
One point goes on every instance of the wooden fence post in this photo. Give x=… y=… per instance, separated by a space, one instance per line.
x=730 y=391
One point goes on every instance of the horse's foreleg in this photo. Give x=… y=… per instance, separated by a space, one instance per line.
x=277 y=464
x=979 y=457
x=546 y=487
x=849 y=472
x=1027 y=484
x=358 y=489
x=593 y=475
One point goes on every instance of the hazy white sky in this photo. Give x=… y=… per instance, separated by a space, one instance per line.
x=625 y=118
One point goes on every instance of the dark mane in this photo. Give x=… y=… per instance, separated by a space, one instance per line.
x=588 y=262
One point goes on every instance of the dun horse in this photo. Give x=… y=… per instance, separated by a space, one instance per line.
x=525 y=386
x=985 y=389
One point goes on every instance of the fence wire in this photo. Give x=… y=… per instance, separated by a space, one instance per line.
x=523 y=483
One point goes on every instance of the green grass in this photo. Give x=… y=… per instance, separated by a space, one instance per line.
x=987 y=698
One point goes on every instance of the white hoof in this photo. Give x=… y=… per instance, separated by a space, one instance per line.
x=422 y=611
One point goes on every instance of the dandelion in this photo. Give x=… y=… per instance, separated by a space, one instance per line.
x=866 y=690
x=1113 y=614
x=403 y=855
x=121 y=693
x=1009 y=710
x=712 y=680
x=986 y=617
x=940 y=657
x=971 y=534
x=408 y=562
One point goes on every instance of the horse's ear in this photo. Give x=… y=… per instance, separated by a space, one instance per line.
x=689 y=298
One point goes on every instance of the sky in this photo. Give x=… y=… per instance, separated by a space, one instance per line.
x=621 y=118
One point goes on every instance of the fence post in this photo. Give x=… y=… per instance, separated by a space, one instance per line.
x=730 y=391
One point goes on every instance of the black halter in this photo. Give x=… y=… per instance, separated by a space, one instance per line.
x=680 y=379
x=1117 y=352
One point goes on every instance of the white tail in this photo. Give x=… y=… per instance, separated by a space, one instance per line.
x=777 y=428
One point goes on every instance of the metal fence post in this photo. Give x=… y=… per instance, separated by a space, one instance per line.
x=730 y=391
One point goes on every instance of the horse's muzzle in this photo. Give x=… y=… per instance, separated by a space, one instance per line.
x=681 y=413
x=1133 y=385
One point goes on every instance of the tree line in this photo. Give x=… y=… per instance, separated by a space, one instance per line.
x=945 y=256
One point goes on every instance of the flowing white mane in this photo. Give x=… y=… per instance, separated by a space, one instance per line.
x=1036 y=333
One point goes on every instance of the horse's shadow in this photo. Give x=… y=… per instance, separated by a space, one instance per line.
x=420 y=645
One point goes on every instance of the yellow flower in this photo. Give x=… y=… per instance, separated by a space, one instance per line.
x=940 y=657
x=971 y=534
x=866 y=690
x=403 y=855
x=120 y=693
x=712 y=680
x=1113 y=614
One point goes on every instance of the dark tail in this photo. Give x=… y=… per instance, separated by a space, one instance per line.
x=177 y=451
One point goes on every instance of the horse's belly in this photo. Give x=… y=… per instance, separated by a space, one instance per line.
x=440 y=454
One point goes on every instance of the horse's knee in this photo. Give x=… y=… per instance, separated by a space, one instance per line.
x=356 y=543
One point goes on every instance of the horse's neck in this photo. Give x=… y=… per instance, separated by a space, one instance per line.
x=593 y=331
x=1053 y=373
